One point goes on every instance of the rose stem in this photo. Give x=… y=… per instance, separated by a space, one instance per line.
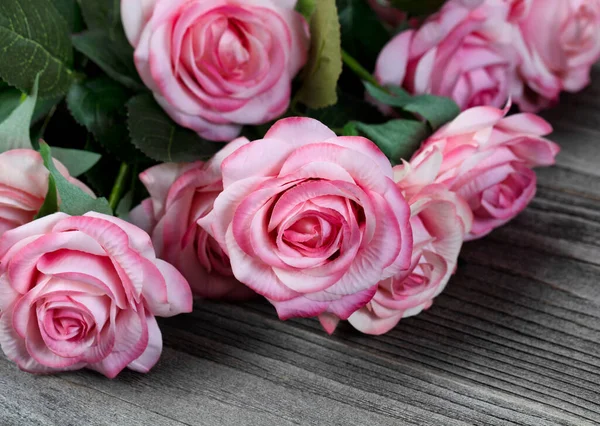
x=359 y=70
x=118 y=188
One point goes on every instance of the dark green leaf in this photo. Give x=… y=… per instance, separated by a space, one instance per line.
x=306 y=8
x=10 y=99
x=69 y=9
x=101 y=14
x=73 y=200
x=14 y=131
x=157 y=136
x=397 y=138
x=437 y=110
x=324 y=66
x=34 y=40
x=77 y=161
x=124 y=206
x=398 y=99
x=363 y=33
x=99 y=105
x=418 y=7
x=113 y=54
x=347 y=109
x=51 y=201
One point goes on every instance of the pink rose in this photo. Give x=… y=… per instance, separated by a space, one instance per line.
x=486 y=159
x=440 y=219
x=558 y=41
x=460 y=52
x=23 y=186
x=83 y=291
x=180 y=194
x=215 y=65
x=310 y=220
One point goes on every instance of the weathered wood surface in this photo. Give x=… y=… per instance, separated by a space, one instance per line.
x=515 y=339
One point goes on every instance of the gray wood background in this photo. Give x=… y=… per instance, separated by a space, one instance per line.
x=515 y=339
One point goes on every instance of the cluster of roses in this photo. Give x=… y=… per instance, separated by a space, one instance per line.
x=321 y=225
x=219 y=64
x=481 y=52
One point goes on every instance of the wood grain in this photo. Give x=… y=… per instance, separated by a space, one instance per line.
x=515 y=339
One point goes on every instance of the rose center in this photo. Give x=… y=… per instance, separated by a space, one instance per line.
x=503 y=195
x=63 y=324
x=418 y=280
x=233 y=48
x=314 y=233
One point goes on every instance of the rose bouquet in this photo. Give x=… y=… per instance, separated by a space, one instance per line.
x=329 y=156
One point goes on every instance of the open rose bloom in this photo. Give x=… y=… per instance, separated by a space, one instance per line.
x=440 y=219
x=557 y=41
x=24 y=185
x=215 y=65
x=181 y=194
x=462 y=52
x=310 y=220
x=83 y=291
x=486 y=158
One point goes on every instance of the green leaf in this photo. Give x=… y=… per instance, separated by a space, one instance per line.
x=51 y=201
x=397 y=138
x=10 y=99
x=112 y=53
x=350 y=129
x=99 y=105
x=101 y=14
x=77 y=161
x=124 y=206
x=324 y=66
x=306 y=8
x=73 y=200
x=418 y=7
x=69 y=9
x=437 y=110
x=34 y=40
x=363 y=33
x=14 y=131
x=347 y=109
x=157 y=136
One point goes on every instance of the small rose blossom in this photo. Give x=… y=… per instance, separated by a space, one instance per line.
x=215 y=65
x=557 y=41
x=180 y=194
x=82 y=292
x=440 y=220
x=24 y=185
x=461 y=52
x=310 y=220
x=486 y=158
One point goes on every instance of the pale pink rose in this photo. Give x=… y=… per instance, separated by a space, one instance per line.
x=558 y=41
x=215 y=65
x=310 y=220
x=440 y=220
x=180 y=194
x=486 y=158
x=24 y=185
x=461 y=52
x=82 y=292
